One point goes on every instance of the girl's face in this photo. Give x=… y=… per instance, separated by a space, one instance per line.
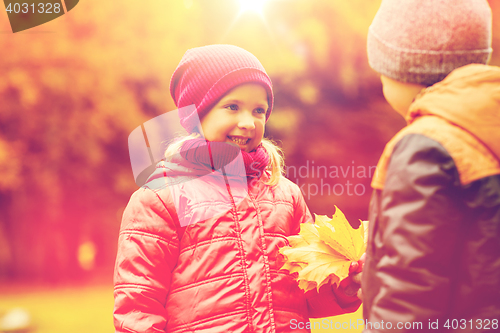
x=239 y=117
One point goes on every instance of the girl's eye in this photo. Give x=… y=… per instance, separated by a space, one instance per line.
x=260 y=110
x=232 y=107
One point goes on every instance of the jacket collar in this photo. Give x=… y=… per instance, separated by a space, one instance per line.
x=469 y=97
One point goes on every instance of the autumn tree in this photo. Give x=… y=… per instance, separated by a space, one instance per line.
x=73 y=89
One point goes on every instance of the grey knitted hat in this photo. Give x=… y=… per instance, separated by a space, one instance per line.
x=422 y=41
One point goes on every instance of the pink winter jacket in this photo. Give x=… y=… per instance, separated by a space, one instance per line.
x=201 y=255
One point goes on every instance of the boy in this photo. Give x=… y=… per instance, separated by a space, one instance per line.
x=433 y=257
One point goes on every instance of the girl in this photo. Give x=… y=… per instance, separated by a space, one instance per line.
x=198 y=247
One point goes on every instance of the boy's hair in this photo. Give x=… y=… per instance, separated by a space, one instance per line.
x=276 y=160
x=422 y=41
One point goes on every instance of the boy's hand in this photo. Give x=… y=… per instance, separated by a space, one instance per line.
x=352 y=284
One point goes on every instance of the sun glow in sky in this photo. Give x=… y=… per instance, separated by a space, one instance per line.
x=252 y=5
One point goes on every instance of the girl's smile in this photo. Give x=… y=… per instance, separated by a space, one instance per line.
x=239 y=117
x=239 y=140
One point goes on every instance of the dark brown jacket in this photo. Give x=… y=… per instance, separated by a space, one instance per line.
x=433 y=256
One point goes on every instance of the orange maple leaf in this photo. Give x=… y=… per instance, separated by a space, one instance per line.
x=322 y=252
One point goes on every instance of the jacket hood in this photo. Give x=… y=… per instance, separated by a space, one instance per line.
x=469 y=97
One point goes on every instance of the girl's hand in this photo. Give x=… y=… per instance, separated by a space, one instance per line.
x=352 y=284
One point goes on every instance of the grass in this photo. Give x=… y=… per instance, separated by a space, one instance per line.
x=76 y=309
x=343 y=323
x=89 y=309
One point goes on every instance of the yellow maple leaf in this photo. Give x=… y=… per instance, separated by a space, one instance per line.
x=306 y=285
x=338 y=233
x=322 y=252
x=308 y=232
x=293 y=267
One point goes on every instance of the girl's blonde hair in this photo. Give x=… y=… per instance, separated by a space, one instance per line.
x=276 y=161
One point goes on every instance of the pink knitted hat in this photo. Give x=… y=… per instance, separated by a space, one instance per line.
x=422 y=41
x=205 y=74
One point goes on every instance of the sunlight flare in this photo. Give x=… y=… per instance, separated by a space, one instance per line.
x=252 y=5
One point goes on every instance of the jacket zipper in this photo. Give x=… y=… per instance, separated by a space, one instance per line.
x=242 y=253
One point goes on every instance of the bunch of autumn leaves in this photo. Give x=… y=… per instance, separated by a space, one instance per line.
x=323 y=251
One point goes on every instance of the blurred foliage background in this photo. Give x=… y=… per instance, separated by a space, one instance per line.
x=73 y=89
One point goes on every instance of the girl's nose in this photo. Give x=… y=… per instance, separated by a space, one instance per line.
x=246 y=121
